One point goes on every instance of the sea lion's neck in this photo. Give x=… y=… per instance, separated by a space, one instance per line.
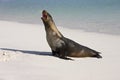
x=51 y=26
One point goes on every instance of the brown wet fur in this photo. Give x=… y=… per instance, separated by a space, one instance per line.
x=62 y=46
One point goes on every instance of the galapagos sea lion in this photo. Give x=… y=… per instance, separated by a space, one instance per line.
x=62 y=46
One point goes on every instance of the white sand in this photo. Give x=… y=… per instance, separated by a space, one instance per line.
x=25 y=55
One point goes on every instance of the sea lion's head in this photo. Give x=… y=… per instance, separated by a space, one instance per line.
x=46 y=17
x=49 y=23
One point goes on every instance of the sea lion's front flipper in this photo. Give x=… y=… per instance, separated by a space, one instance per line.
x=65 y=58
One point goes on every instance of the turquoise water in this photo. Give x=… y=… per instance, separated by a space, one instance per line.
x=89 y=15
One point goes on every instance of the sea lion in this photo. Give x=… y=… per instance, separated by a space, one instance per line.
x=62 y=46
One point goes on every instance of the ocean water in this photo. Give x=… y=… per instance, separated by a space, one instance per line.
x=89 y=15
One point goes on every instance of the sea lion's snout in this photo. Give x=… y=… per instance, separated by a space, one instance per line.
x=44 y=15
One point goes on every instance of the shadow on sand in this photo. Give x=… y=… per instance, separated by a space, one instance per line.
x=35 y=53
x=29 y=52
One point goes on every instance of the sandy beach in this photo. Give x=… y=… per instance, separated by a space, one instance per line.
x=25 y=55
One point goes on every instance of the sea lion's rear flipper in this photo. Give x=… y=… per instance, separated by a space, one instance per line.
x=97 y=55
